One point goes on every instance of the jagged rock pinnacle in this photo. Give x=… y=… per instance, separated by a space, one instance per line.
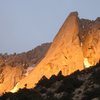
x=65 y=54
x=75 y=47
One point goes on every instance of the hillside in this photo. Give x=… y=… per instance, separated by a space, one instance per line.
x=24 y=59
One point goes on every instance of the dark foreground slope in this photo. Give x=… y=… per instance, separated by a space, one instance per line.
x=81 y=85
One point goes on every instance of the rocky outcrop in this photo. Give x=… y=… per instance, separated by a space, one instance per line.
x=15 y=67
x=9 y=77
x=65 y=54
x=75 y=47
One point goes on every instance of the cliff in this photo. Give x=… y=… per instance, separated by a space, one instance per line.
x=75 y=47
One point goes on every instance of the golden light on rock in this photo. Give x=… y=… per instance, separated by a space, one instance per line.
x=15 y=89
x=86 y=63
x=75 y=47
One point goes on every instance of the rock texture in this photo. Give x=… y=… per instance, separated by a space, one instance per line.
x=65 y=54
x=15 y=67
x=9 y=77
x=91 y=43
x=80 y=85
x=76 y=46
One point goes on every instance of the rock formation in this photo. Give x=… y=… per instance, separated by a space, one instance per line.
x=80 y=85
x=14 y=67
x=9 y=77
x=65 y=54
x=76 y=46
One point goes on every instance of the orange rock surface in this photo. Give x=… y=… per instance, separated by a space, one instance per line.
x=76 y=46
x=65 y=54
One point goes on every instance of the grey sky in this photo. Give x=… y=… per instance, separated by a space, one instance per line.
x=25 y=24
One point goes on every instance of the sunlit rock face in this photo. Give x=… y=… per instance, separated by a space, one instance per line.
x=65 y=54
x=75 y=47
x=9 y=77
x=86 y=63
x=15 y=89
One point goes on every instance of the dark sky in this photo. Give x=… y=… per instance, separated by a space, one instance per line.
x=25 y=24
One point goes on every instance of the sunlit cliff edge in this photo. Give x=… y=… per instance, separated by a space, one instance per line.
x=75 y=47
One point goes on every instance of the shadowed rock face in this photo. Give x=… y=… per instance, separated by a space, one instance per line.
x=91 y=44
x=75 y=47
